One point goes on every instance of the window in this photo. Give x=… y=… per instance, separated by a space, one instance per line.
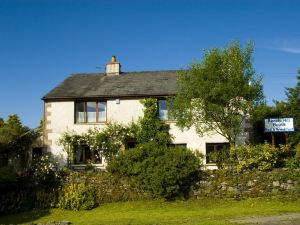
x=36 y=152
x=181 y=145
x=130 y=143
x=163 y=110
x=83 y=155
x=216 y=151
x=90 y=112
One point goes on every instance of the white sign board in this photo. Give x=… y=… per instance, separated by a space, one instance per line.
x=279 y=125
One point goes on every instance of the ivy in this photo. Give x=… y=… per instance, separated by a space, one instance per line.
x=106 y=142
x=151 y=128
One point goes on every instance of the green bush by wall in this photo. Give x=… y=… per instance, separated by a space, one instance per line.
x=165 y=172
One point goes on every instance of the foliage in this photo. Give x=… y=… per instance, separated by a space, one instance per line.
x=37 y=187
x=15 y=201
x=7 y=176
x=44 y=171
x=77 y=197
x=294 y=161
x=262 y=157
x=16 y=140
x=109 y=141
x=14 y=196
x=291 y=108
x=151 y=128
x=166 y=172
x=260 y=113
x=220 y=157
x=46 y=199
x=218 y=93
x=106 y=142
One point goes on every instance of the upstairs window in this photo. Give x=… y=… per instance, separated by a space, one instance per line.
x=90 y=112
x=163 y=110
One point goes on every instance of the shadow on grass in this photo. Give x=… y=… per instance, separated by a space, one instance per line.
x=24 y=217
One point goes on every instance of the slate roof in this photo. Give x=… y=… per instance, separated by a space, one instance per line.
x=127 y=84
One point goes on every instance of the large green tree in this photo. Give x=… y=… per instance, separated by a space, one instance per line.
x=218 y=93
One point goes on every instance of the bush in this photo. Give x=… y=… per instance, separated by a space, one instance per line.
x=13 y=196
x=44 y=171
x=77 y=196
x=8 y=178
x=166 y=172
x=294 y=161
x=45 y=199
x=262 y=157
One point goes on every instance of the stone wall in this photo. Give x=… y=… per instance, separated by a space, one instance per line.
x=226 y=183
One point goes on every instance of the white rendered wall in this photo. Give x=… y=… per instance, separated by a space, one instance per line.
x=61 y=119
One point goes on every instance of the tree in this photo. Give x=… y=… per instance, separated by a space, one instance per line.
x=15 y=141
x=291 y=108
x=218 y=93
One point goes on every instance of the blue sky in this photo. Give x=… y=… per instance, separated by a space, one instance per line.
x=43 y=41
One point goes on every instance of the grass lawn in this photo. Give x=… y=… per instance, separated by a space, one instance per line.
x=208 y=212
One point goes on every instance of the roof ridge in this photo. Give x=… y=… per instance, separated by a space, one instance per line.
x=130 y=72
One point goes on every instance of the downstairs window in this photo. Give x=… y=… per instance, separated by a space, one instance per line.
x=84 y=155
x=216 y=151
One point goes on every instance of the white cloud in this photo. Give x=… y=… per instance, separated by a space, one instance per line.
x=289 y=45
x=289 y=50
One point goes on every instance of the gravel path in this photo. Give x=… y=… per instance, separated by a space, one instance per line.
x=283 y=219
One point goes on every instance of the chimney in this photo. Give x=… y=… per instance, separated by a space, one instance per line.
x=113 y=67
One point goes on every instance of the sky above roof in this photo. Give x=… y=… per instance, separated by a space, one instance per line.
x=43 y=41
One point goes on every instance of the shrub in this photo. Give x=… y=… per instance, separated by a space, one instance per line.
x=45 y=199
x=262 y=157
x=8 y=178
x=166 y=172
x=294 y=161
x=44 y=171
x=77 y=196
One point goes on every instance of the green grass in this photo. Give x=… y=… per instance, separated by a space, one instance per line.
x=208 y=212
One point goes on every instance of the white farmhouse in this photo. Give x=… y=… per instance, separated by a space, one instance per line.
x=84 y=101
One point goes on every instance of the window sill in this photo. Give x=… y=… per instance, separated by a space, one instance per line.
x=94 y=123
x=210 y=164
x=82 y=166
x=170 y=121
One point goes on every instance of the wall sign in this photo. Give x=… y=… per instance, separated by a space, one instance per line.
x=279 y=125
